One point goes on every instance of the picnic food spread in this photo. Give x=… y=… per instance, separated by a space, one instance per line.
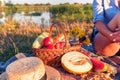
x=48 y=42
x=55 y=52
x=52 y=53
x=76 y=62
x=54 y=46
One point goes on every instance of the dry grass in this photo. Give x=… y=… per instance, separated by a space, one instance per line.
x=15 y=37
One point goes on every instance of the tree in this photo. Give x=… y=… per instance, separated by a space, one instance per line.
x=72 y=12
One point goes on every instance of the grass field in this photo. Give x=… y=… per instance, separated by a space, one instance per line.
x=15 y=38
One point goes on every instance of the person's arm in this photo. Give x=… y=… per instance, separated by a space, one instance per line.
x=99 y=18
x=103 y=29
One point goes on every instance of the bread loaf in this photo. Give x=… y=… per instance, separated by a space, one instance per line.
x=58 y=38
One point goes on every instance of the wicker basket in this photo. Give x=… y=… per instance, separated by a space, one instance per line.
x=52 y=57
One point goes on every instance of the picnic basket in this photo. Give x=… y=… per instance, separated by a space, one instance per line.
x=52 y=56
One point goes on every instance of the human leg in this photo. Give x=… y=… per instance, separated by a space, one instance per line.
x=103 y=45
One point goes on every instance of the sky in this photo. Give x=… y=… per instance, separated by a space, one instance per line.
x=48 y=1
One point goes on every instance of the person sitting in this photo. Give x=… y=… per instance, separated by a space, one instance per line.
x=106 y=32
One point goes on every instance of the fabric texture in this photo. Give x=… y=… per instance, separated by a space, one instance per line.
x=104 y=10
x=3 y=65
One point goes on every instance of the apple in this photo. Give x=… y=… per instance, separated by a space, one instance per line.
x=59 y=45
x=50 y=47
x=47 y=41
x=38 y=41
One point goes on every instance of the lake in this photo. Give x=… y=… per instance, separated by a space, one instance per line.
x=20 y=17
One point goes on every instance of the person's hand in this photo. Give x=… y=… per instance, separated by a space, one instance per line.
x=117 y=29
x=116 y=36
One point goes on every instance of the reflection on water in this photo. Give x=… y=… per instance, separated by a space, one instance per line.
x=44 y=18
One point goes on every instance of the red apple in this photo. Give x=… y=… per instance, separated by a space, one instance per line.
x=47 y=41
x=59 y=45
x=50 y=47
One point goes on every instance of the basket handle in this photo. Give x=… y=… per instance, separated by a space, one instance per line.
x=63 y=30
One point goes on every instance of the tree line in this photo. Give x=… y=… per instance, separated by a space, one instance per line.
x=72 y=12
x=67 y=12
